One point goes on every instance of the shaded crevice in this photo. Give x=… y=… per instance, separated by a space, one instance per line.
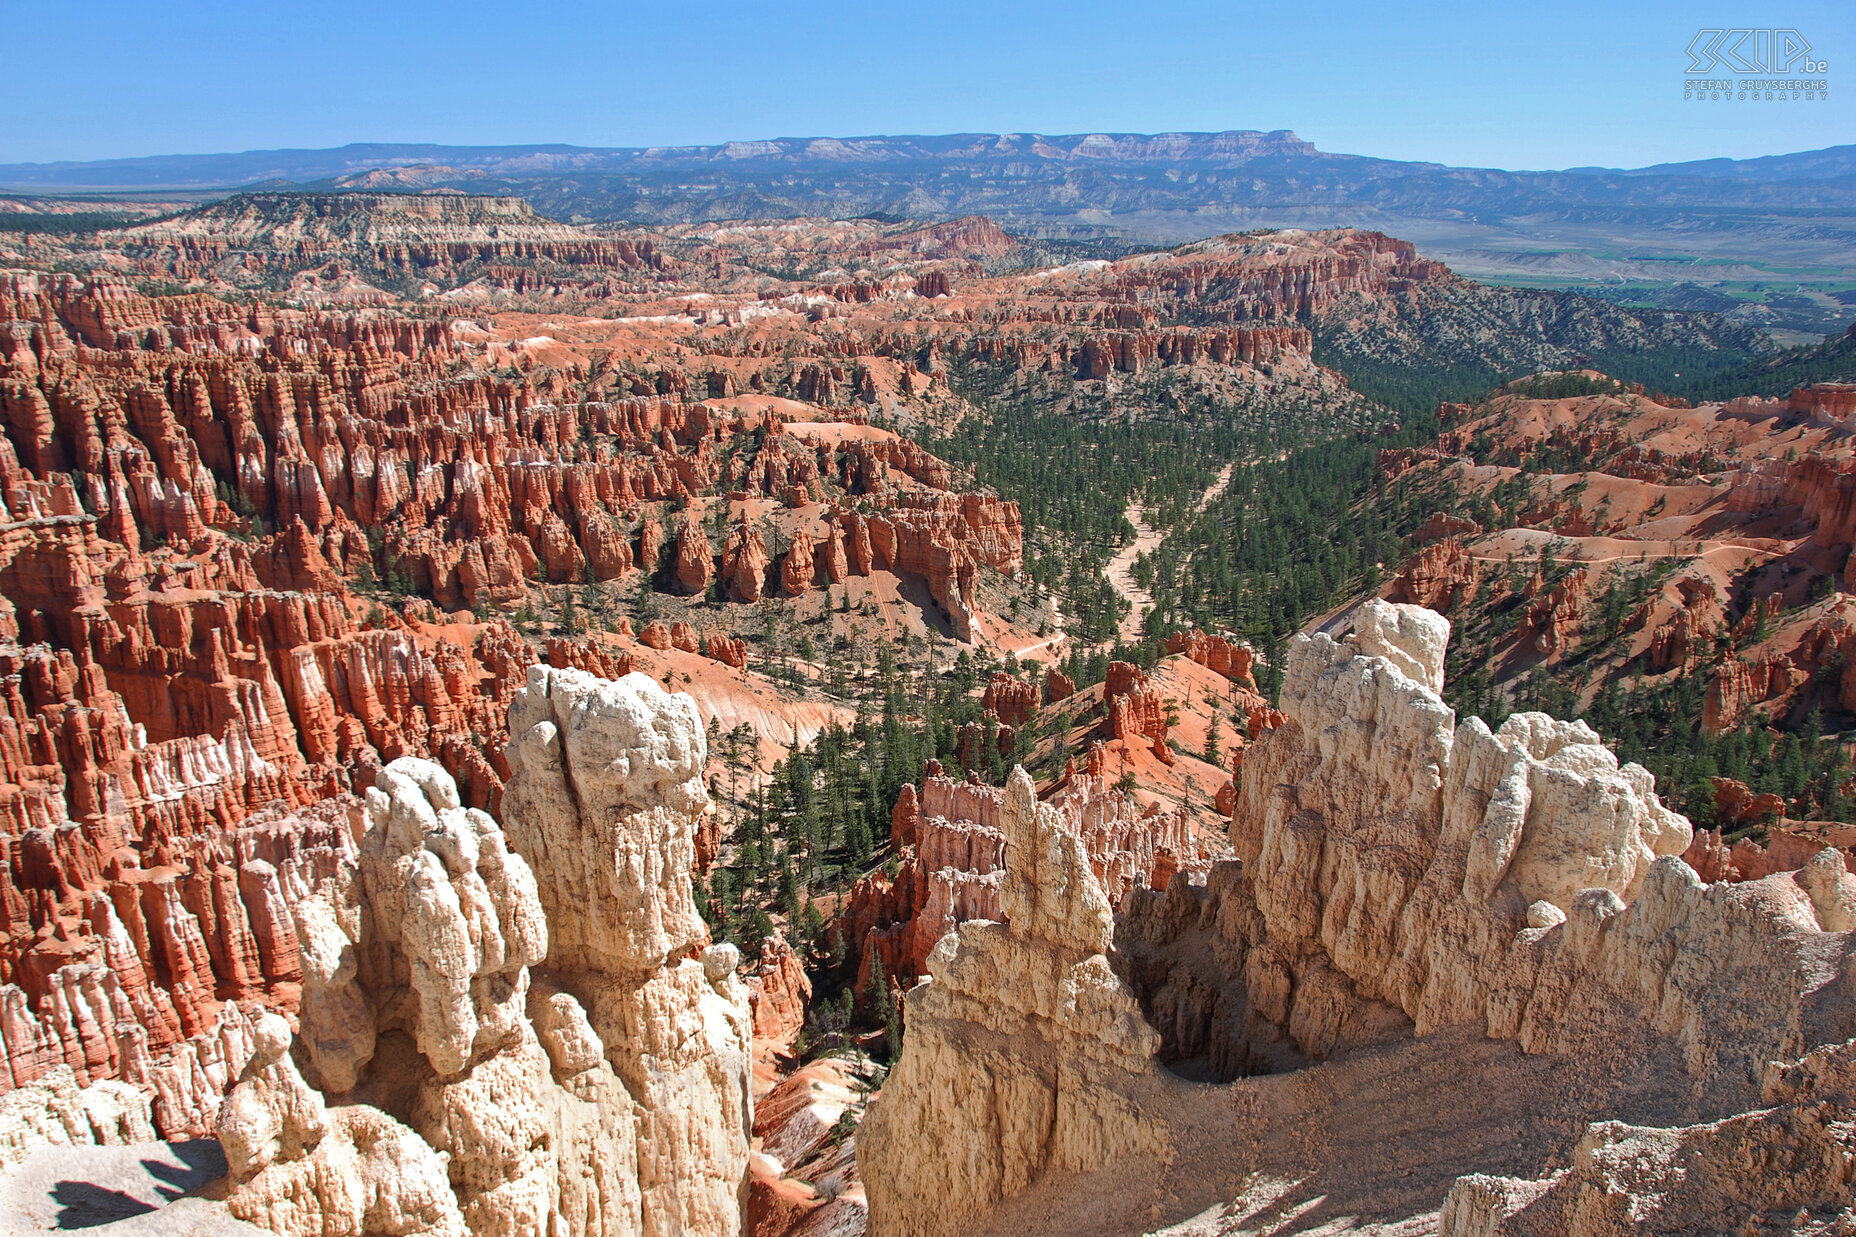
x=1191 y=987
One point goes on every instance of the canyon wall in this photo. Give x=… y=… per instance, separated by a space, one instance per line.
x=198 y=502
x=1650 y=544
x=430 y=235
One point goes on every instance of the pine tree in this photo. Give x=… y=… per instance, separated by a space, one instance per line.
x=788 y=890
x=721 y=900
x=811 y=924
x=879 y=1001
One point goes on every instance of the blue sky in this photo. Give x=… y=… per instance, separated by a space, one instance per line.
x=1487 y=84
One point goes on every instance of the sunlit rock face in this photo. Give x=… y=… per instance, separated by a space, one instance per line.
x=1412 y=896
x=520 y=1029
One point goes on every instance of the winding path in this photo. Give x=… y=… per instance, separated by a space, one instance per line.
x=1146 y=540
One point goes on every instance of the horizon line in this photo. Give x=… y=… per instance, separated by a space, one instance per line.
x=670 y=148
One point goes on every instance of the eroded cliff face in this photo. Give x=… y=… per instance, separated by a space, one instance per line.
x=1498 y=919
x=1657 y=544
x=188 y=490
x=198 y=502
x=512 y=1032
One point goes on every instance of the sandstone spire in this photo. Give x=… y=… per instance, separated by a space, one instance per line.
x=960 y=1125
x=610 y=1097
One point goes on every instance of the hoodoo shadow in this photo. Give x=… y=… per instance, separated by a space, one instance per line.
x=83 y=1204
x=87 y=1187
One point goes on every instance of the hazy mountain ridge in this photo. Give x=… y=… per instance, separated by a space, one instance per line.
x=1230 y=148
x=1766 y=224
